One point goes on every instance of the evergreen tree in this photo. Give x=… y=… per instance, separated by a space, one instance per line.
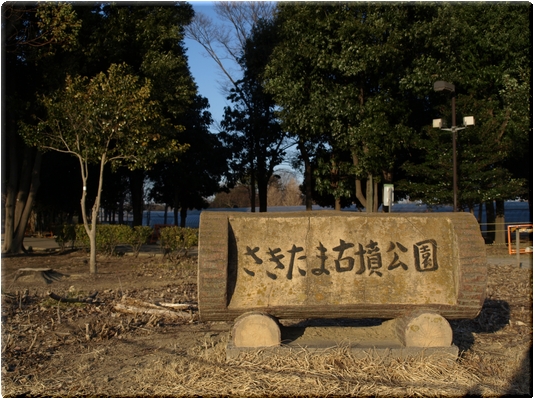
x=251 y=130
x=32 y=37
x=336 y=75
x=184 y=184
x=483 y=50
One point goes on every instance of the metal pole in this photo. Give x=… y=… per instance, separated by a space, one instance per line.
x=454 y=134
x=518 y=247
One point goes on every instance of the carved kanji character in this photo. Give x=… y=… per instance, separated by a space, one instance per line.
x=321 y=270
x=293 y=251
x=350 y=260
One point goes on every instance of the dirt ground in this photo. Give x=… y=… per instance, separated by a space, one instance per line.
x=57 y=348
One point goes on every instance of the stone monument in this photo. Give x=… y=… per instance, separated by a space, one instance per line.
x=419 y=269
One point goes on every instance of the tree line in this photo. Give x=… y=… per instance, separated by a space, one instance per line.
x=100 y=100
x=350 y=86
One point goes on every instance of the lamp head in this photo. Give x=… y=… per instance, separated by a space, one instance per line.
x=469 y=121
x=438 y=123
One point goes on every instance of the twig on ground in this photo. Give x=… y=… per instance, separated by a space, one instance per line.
x=133 y=306
x=89 y=299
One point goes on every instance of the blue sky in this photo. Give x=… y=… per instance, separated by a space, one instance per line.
x=206 y=73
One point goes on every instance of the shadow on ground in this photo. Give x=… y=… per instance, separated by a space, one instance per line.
x=494 y=316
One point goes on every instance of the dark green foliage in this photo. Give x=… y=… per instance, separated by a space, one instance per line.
x=334 y=183
x=336 y=76
x=358 y=77
x=484 y=50
x=111 y=236
x=32 y=36
x=185 y=183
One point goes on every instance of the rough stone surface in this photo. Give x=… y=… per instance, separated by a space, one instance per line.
x=340 y=265
x=256 y=330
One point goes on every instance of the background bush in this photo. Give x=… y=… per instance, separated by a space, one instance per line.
x=82 y=240
x=111 y=236
x=65 y=234
x=108 y=237
x=175 y=242
x=137 y=237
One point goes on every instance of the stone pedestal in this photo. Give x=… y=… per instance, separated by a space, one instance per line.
x=256 y=330
x=424 y=329
x=416 y=335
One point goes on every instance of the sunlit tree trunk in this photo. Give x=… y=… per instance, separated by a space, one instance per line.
x=91 y=226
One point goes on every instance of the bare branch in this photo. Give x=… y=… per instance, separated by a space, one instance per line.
x=220 y=41
x=207 y=34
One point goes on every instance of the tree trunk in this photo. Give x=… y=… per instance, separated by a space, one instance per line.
x=499 y=237
x=375 y=196
x=183 y=216
x=165 y=215
x=92 y=231
x=369 y=194
x=175 y=215
x=11 y=196
x=307 y=181
x=20 y=195
x=358 y=192
x=136 y=192
x=120 y=212
x=252 y=192
x=358 y=185
x=262 y=194
x=337 y=204
x=491 y=219
x=93 y=269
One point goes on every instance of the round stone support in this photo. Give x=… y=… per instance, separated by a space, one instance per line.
x=255 y=329
x=424 y=329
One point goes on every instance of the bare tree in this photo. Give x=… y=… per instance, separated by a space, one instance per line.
x=251 y=120
x=284 y=189
x=224 y=42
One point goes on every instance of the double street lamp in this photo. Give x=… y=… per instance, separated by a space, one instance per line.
x=440 y=86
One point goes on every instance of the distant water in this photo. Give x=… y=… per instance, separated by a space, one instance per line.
x=515 y=212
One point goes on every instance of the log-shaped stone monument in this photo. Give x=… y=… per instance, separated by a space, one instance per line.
x=419 y=268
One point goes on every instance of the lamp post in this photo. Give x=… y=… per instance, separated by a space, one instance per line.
x=440 y=86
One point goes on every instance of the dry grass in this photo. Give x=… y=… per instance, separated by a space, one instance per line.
x=205 y=373
x=47 y=351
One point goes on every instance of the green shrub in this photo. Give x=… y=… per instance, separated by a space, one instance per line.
x=138 y=237
x=82 y=240
x=111 y=236
x=108 y=237
x=66 y=234
x=175 y=242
